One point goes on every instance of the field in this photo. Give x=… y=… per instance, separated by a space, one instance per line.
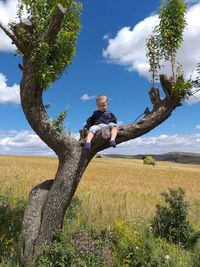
x=110 y=189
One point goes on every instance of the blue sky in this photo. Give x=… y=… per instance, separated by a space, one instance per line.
x=102 y=66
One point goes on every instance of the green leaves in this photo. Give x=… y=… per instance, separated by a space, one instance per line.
x=181 y=87
x=171 y=29
x=149 y=160
x=58 y=123
x=170 y=221
x=167 y=37
x=51 y=59
x=153 y=53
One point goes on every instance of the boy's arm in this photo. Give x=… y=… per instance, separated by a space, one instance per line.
x=89 y=122
x=83 y=132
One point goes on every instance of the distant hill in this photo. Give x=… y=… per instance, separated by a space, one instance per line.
x=179 y=157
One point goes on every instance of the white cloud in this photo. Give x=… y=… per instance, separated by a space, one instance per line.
x=86 y=97
x=8 y=94
x=127 y=48
x=8 y=10
x=198 y=127
x=192 y=2
x=158 y=145
x=106 y=37
x=195 y=98
x=28 y=143
x=23 y=143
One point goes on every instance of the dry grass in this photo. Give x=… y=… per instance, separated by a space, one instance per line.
x=19 y=174
x=110 y=188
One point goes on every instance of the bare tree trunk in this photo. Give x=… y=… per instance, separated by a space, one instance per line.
x=48 y=203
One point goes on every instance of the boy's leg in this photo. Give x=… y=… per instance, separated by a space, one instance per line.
x=90 y=136
x=93 y=130
x=114 y=132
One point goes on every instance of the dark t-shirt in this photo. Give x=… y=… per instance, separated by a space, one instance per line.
x=98 y=117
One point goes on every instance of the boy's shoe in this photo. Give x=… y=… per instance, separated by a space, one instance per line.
x=87 y=145
x=112 y=143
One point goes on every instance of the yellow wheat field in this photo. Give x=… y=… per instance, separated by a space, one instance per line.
x=110 y=189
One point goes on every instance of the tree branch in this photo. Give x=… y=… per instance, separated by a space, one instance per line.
x=132 y=131
x=154 y=95
x=14 y=39
x=34 y=109
x=162 y=109
x=166 y=85
x=146 y=112
x=55 y=24
x=196 y=83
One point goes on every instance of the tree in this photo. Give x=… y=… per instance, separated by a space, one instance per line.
x=46 y=41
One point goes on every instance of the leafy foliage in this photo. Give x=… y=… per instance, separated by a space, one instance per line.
x=167 y=36
x=196 y=256
x=171 y=29
x=73 y=246
x=11 y=215
x=51 y=59
x=135 y=245
x=153 y=53
x=181 y=87
x=164 y=43
x=73 y=249
x=149 y=160
x=171 y=221
x=58 y=123
x=129 y=243
x=73 y=209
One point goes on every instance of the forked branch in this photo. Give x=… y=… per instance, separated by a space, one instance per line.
x=162 y=109
x=55 y=24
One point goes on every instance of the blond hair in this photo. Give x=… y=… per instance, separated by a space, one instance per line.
x=102 y=97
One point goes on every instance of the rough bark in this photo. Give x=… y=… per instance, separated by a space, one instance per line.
x=32 y=216
x=49 y=201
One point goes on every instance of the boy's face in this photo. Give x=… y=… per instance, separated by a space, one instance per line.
x=102 y=104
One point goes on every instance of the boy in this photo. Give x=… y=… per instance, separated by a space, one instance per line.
x=101 y=118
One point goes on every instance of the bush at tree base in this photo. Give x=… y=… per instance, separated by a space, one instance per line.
x=171 y=222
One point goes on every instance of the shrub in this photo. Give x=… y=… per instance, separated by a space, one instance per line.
x=196 y=257
x=171 y=221
x=73 y=209
x=11 y=216
x=136 y=246
x=73 y=246
x=149 y=160
x=74 y=249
